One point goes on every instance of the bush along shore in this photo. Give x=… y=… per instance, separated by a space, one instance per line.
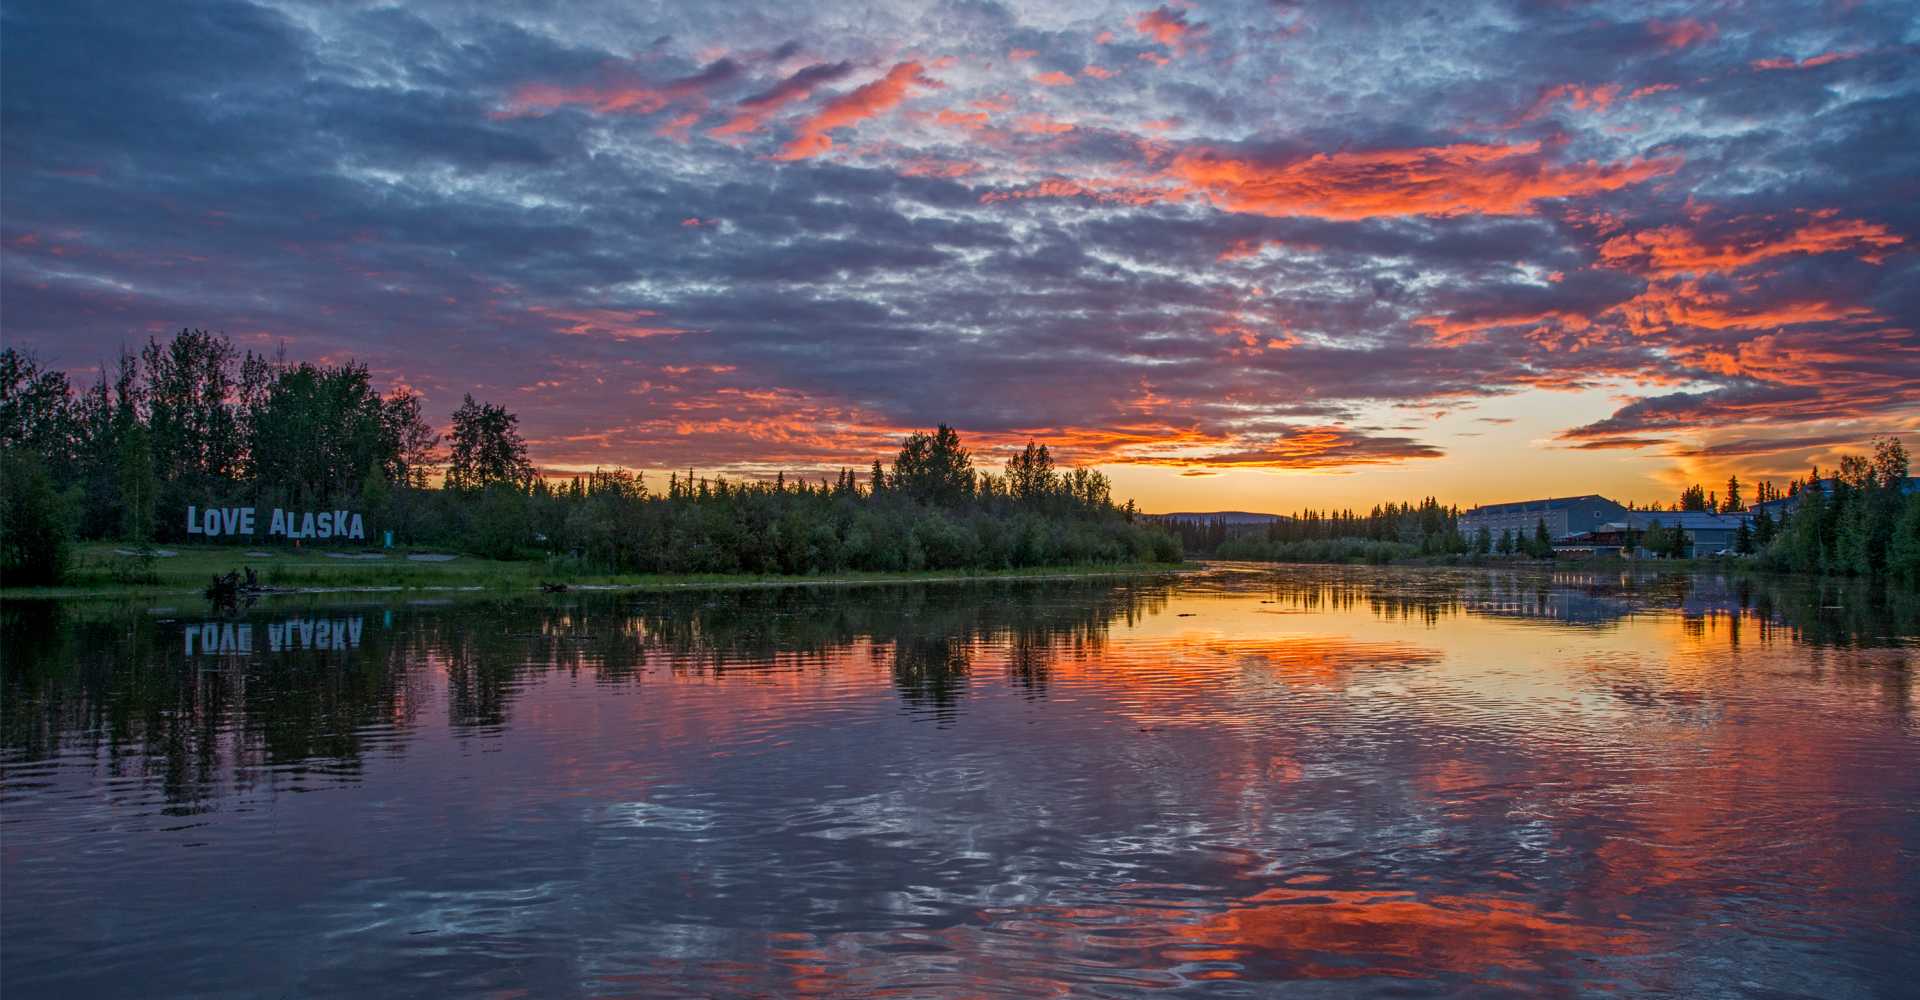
x=189 y=423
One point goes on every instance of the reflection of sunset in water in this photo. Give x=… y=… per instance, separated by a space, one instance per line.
x=1441 y=782
x=1323 y=933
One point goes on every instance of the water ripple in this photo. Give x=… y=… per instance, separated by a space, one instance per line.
x=1343 y=782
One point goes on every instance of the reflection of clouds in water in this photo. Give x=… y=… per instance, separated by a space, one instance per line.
x=1005 y=790
x=1163 y=935
x=1327 y=933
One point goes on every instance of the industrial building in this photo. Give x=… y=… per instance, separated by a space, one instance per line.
x=1595 y=525
x=1563 y=515
x=1707 y=534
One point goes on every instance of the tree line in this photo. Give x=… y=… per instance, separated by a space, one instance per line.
x=192 y=420
x=1387 y=532
x=1862 y=520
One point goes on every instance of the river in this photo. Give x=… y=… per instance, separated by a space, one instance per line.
x=1324 y=781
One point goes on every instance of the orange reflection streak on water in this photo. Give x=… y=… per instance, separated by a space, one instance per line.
x=1394 y=934
x=1283 y=933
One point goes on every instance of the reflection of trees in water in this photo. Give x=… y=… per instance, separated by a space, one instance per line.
x=116 y=684
x=1833 y=616
x=931 y=634
x=930 y=672
x=1820 y=612
x=1030 y=655
x=118 y=687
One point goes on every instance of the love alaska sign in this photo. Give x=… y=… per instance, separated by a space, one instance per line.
x=290 y=524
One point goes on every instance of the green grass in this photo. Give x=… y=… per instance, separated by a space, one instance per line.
x=98 y=570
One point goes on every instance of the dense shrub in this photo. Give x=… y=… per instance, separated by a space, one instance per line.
x=36 y=530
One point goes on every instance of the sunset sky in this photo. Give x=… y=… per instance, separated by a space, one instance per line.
x=1256 y=256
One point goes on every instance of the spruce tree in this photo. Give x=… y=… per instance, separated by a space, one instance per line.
x=1903 y=550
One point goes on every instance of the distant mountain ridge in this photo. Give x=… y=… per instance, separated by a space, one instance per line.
x=1226 y=516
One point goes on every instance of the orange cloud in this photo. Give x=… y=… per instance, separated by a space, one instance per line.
x=1448 y=332
x=1664 y=306
x=927 y=166
x=1682 y=33
x=1243 y=249
x=1772 y=357
x=603 y=98
x=619 y=324
x=1042 y=125
x=622 y=95
x=1808 y=63
x=854 y=107
x=754 y=111
x=1169 y=27
x=1300 y=448
x=1674 y=250
x=1460 y=179
x=679 y=127
x=1100 y=72
x=961 y=119
x=1053 y=78
x=1109 y=192
x=1582 y=99
x=738 y=124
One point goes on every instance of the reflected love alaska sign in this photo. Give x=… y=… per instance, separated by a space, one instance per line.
x=291 y=524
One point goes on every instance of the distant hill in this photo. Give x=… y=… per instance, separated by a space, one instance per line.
x=1227 y=516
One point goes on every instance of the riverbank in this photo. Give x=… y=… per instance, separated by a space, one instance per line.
x=1742 y=566
x=106 y=569
x=1469 y=561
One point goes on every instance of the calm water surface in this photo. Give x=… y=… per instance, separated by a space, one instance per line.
x=1304 y=782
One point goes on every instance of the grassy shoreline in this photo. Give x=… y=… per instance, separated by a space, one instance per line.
x=100 y=571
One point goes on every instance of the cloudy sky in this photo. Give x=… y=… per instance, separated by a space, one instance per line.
x=1251 y=255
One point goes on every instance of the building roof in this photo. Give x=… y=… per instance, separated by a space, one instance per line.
x=1692 y=520
x=1641 y=520
x=1549 y=503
